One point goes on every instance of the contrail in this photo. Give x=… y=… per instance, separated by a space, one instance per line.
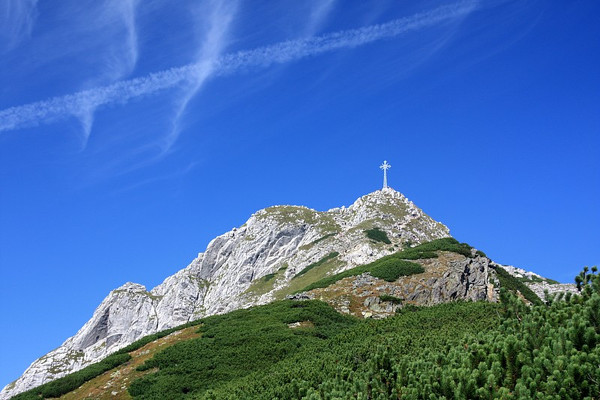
x=57 y=108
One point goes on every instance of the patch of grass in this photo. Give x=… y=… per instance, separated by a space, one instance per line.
x=388 y=268
x=320 y=272
x=311 y=244
x=287 y=214
x=150 y=338
x=391 y=299
x=377 y=235
x=513 y=284
x=322 y=261
x=265 y=284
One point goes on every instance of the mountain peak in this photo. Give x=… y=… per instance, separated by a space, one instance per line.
x=278 y=251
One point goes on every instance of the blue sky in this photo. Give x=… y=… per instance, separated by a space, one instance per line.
x=133 y=132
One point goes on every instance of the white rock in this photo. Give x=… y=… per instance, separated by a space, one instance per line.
x=216 y=280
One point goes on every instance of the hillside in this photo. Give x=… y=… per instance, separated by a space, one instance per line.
x=380 y=255
x=255 y=263
x=306 y=350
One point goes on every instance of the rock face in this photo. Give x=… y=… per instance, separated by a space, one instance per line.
x=250 y=265
x=448 y=277
x=538 y=284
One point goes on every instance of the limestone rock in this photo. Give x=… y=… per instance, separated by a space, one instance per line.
x=280 y=240
x=538 y=284
x=448 y=277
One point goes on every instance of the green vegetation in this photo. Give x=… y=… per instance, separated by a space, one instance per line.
x=265 y=284
x=268 y=277
x=298 y=215
x=236 y=344
x=388 y=268
x=513 y=284
x=536 y=279
x=427 y=250
x=253 y=354
x=322 y=261
x=391 y=299
x=460 y=350
x=313 y=371
x=311 y=244
x=377 y=235
x=72 y=381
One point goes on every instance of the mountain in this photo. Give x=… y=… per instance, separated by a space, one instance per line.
x=280 y=252
x=280 y=240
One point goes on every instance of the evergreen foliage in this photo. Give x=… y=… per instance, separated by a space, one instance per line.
x=322 y=261
x=66 y=384
x=544 y=351
x=514 y=284
x=236 y=344
x=138 y=344
x=391 y=267
x=461 y=350
x=388 y=268
x=427 y=250
x=377 y=235
x=391 y=299
x=306 y=350
x=316 y=371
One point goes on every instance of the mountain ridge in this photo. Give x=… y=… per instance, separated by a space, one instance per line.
x=218 y=279
x=280 y=252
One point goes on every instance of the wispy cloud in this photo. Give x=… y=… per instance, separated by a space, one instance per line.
x=119 y=58
x=121 y=92
x=212 y=44
x=318 y=14
x=16 y=22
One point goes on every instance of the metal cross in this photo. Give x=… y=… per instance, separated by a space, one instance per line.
x=385 y=166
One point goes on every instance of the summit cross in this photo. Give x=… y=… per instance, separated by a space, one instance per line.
x=385 y=166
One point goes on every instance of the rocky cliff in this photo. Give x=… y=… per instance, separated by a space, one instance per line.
x=249 y=265
x=447 y=277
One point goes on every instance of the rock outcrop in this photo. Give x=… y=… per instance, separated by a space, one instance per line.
x=448 y=277
x=540 y=285
x=249 y=265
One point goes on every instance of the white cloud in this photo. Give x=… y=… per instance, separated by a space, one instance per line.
x=211 y=45
x=196 y=73
x=117 y=27
x=16 y=22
